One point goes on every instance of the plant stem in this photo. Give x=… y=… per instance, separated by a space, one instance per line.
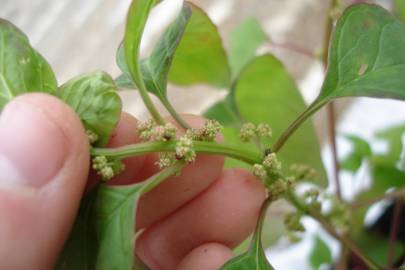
x=294 y=125
x=391 y=195
x=159 y=177
x=174 y=114
x=295 y=48
x=395 y=225
x=233 y=151
x=347 y=241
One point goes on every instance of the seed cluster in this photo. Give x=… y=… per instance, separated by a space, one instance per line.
x=249 y=130
x=92 y=136
x=107 y=169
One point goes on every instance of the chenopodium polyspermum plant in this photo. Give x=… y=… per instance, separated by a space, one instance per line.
x=258 y=118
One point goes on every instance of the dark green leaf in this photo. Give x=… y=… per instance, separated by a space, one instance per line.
x=155 y=69
x=136 y=19
x=94 y=99
x=200 y=57
x=254 y=258
x=361 y=150
x=244 y=41
x=320 y=254
x=367 y=55
x=80 y=249
x=22 y=69
x=265 y=93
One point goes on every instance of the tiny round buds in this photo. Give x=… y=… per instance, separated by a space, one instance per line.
x=264 y=130
x=247 y=132
x=184 y=149
x=259 y=171
x=92 y=136
x=107 y=169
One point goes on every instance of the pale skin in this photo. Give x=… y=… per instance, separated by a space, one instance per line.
x=191 y=221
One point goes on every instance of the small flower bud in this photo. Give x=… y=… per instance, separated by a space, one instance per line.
x=247 y=132
x=271 y=162
x=293 y=222
x=302 y=172
x=145 y=129
x=259 y=171
x=210 y=130
x=264 y=130
x=92 y=136
x=163 y=133
x=278 y=188
x=106 y=173
x=166 y=160
x=184 y=149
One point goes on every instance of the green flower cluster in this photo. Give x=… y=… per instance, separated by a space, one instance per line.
x=107 y=169
x=249 y=130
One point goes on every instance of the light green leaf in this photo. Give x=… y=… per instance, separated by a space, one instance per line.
x=265 y=93
x=155 y=69
x=393 y=136
x=361 y=150
x=254 y=258
x=367 y=55
x=200 y=57
x=94 y=98
x=136 y=19
x=225 y=111
x=22 y=69
x=244 y=41
x=114 y=212
x=320 y=254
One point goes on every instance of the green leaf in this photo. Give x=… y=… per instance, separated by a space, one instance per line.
x=320 y=254
x=80 y=249
x=200 y=57
x=22 y=69
x=244 y=41
x=265 y=93
x=114 y=212
x=367 y=56
x=393 y=136
x=224 y=111
x=136 y=19
x=94 y=98
x=255 y=257
x=155 y=69
x=399 y=9
x=361 y=150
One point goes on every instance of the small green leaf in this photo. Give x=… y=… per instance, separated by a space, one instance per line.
x=136 y=19
x=265 y=93
x=200 y=57
x=320 y=254
x=156 y=67
x=255 y=257
x=244 y=41
x=361 y=150
x=225 y=112
x=367 y=55
x=393 y=136
x=22 y=69
x=94 y=98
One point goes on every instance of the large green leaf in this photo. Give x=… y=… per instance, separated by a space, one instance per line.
x=22 y=69
x=361 y=150
x=244 y=41
x=255 y=257
x=265 y=93
x=320 y=254
x=200 y=57
x=94 y=98
x=367 y=55
x=114 y=212
x=155 y=69
x=399 y=9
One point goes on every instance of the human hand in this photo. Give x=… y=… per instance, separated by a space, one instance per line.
x=191 y=221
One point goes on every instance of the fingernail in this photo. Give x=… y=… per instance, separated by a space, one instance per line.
x=32 y=146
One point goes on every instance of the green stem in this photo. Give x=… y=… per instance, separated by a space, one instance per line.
x=174 y=114
x=248 y=156
x=347 y=241
x=297 y=123
x=158 y=178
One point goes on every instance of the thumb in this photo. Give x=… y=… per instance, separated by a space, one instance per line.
x=44 y=162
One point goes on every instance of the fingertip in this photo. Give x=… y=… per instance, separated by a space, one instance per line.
x=210 y=256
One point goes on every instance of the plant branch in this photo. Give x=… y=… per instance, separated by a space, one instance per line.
x=391 y=195
x=295 y=48
x=174 y=114
x=296 y=124
x=233 y=151
x=347 y=241
x=395 y=225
